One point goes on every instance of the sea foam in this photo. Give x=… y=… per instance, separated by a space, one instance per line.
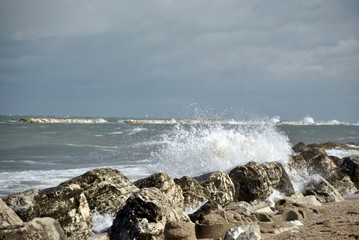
x=195 y=150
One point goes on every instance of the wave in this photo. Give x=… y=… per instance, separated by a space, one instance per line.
x=115 y=133
x=195 y=150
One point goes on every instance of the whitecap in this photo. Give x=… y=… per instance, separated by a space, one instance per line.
x=194 y=150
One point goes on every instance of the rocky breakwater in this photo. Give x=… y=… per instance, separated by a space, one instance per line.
x=63 y=120
x=242 y=204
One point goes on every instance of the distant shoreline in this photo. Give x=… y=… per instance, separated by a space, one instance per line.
x=183 y=121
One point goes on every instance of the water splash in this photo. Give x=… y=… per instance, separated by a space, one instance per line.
x=197 y=149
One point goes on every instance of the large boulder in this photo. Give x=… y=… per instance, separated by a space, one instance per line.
x=279 y=178
x=251 y=182
x=322 y=189
x=38 y=228
x=69 y=206
x=106 y=189
x=25 y=204
x=315 y=161
x=145 y=215
x=8 y=218
x=193 y=192
x=165 y=184
x=255 y=181
x=219 y=187
x=350 y=166
x=215 y=186
x=213 y=222
x=180 y=230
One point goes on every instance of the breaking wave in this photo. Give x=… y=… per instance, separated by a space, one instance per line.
x=195 y=150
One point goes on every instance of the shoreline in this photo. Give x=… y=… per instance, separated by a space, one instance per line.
x=139 y=121
x=219 y=202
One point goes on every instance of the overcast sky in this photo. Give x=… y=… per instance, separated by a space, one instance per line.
x=136 y=58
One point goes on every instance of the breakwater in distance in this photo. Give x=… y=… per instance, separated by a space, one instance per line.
x=306 y=121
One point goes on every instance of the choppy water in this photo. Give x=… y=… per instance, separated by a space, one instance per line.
x=43 y=155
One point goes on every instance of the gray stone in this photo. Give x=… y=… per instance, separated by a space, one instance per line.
x=69 y=206
x=145 y=216
x=180 y=230
x=106 y=189
x=251 y=182
x=8 y=218
x=219 y=186
x=25 y=204
x=194 y=194
x=246 y=232
x=165 y=184
x=38 y=228
x=322 y=189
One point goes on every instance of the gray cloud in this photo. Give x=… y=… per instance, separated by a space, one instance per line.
x=288 y=58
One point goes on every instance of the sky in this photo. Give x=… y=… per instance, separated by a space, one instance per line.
x=156 y=58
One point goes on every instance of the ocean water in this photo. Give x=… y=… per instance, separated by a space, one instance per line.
x=44 y=155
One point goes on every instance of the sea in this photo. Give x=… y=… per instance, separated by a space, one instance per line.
x=41 y=155
x=53 y=150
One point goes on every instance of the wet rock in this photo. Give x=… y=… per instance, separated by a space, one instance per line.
x=194 y=194
x=8 y=218
x=25 y=204
x=219 y=186
x=246 y=232
x=344 y=185
x=300 y=147
x=255 y=181
x=106 y=189
x=145 y=216
x=165 y=184
x=322 y=189
x=350 y=166
x=69 y=206
x=279 y=178
x=180 y=230
x=251 y=182
x=315 y=161
x=38 y=228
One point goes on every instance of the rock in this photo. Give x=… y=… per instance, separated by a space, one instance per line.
x=194 y=194
x=8 y=218
x=213 y=231
x=213 y=221
x=145 y=215
x=251 y=182
x=279 y=178
x=25 y=204
x=300 y=147
x=344 y=185
x=106 y=189
x=322 y=189
x=215 y=186
x=219 y=186
x=246 y=232
x=65 y=203
x=165 y=184
x=69 y=206
x=316 y=161
x=180 y=230
x=242 y=207
x=350 y=166
x=38 y=228
x=100 y=236
x=299 y=199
